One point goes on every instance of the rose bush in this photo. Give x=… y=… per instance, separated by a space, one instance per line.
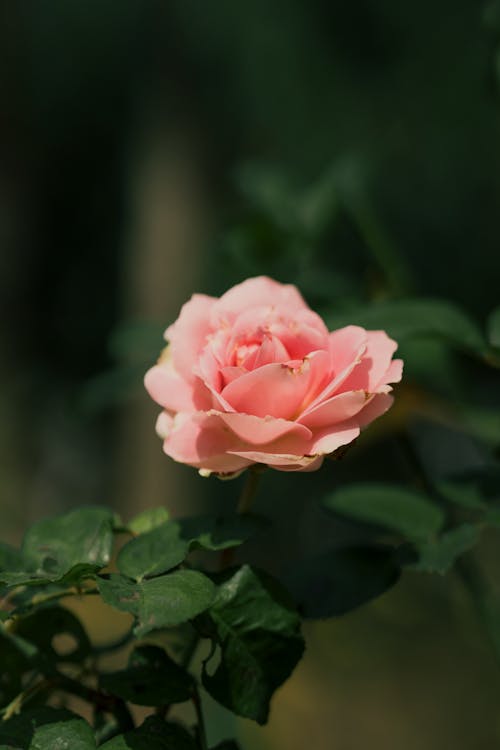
x=256 y=377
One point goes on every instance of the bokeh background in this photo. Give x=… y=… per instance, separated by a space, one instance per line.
x=153 y=148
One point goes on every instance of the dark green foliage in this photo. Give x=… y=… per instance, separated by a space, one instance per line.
x=335 y=582
x=168 y=544
x=13 y=664
x=68 y=548
x=41 y=628
x=162 y=602
x=46 y=729
x=437 y=556
x=258 y=631
x=148 y=520
x=150 y=679
x=154 y=552
x=396 y=508
x=154 y=734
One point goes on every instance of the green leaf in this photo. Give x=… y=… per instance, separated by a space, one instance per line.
x=66 y=548
x=473 y=488
x=154 y=734
x=259 y=634
x=396 y=508
x=494 y=328
x=121 y=593
x=337 y=581
x=27 y=598
x=461 y=492
x=162 y=602
x=167 y=545
x=46 y=729
x=151 y=679
x=173 y=599
x=153 y=553
x=438 y=556
x=408 y=318
x=148 y=520
x=215 y=533
x=227 y=745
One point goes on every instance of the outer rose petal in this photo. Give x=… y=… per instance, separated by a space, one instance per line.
x=262 y=430
x=333 y=437
x=394 y=373
x=172 y=392
x=283 y=461
x=334 y=410
x=374 y=363
x=164 y=425
x=203 y=441
x=187 y=335
x=346 y=347
x=256 y=292
x=378 y=405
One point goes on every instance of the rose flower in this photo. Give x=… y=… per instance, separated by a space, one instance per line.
x=256 y=377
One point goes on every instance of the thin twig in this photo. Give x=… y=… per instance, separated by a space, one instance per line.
x=201 y=731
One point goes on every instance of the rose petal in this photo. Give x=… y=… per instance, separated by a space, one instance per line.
x=276 y=459
x=329 y=439
x=393 y=374
x=313 y=466
x=188 y=334
x=273 y=390
x=302 y=334
x=260 y=430
x=164 y=425
x=209 y=371
x=346 y=349
x=255 y=292
x=202 y=440
x=334 y=410
x=172 y=392
x=377 y=406
x=374 y=363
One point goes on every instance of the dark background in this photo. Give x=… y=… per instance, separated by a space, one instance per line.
x=152 y=149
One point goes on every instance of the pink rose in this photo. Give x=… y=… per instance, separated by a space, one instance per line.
x=256 y=377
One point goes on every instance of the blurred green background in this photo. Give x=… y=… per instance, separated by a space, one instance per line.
x=150 y=149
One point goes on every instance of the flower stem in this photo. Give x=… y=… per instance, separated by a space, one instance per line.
x=244 y=505
x=249 y=490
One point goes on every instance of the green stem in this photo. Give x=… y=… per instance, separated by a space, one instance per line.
x=249 y=490
x=16 y=704
x=201 y=731
x=244 y=505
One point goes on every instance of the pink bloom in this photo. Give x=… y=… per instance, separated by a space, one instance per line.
x=256 y=377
